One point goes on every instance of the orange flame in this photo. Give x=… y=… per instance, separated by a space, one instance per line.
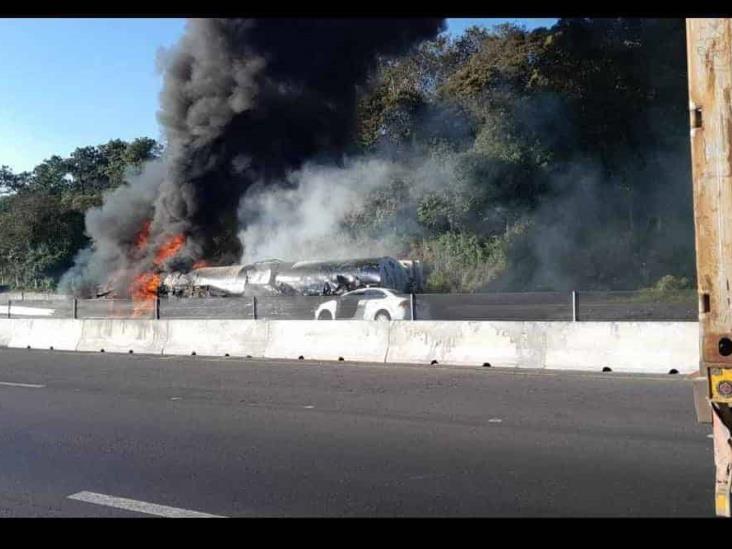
x=144 y=291
x=144 y=288
x=143 y=236
x=169 y=248
x=200 y=264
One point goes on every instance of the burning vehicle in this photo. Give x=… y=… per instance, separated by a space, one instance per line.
x=302 y=278
x=263 y=278
x=245 y=104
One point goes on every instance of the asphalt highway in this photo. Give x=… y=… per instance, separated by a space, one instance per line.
x=103 y=435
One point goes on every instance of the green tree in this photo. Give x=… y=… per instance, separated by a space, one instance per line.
x=42 y=211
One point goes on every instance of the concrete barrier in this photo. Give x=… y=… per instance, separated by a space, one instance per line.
x=122 y=336
x=644 y=347
x=216 y=337
x=6 y=331
x=354 y=340
x=503 y=344
x=42 y=333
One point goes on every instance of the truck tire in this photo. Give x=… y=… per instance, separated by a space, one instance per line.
x=382 y=316
x=325 y=315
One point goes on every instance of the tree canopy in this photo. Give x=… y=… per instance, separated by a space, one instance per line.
x=567 y=146
x=42 y=211
x=570 y=146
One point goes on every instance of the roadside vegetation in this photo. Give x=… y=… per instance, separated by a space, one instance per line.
x=569 y=149
x=42 y=211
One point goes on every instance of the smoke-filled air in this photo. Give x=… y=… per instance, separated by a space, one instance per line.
x=503 y=159
x=244 y=102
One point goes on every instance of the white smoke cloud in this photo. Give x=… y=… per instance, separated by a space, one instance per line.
x=302 y=218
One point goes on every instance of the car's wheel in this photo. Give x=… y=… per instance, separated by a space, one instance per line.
x=325 y=315
x=383 y=316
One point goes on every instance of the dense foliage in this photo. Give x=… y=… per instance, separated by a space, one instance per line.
x=568 y=150
x=570 y=147
x=42 y=211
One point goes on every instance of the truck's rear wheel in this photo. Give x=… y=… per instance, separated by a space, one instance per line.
x=382 y=316
x=325 y=315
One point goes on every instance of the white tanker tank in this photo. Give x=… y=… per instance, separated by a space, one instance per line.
x=276 y=277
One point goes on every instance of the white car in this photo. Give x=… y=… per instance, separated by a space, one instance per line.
x=366 y=304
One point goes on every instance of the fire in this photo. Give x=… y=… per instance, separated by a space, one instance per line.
x=144 y=291
x=169 y=248
x=144 y=288
x=143 y=236
x=200 y=264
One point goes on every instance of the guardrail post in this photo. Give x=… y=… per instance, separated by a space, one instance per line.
x=9 y=301
x=75 y=309
x=254 y=307
x=411 y=305
x=156 y=311
x=575 y=306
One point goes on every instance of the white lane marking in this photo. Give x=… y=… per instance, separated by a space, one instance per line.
x=139 y=506
x=31 y=385
x=710 y=436
x=308 y=407
x=176 y=398
x=495 y=420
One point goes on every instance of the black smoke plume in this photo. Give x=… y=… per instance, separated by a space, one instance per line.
x=243 y=102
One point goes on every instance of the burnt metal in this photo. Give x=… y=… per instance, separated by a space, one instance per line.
x=303 y=278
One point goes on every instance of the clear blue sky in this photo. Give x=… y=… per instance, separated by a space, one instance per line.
x=67 y=83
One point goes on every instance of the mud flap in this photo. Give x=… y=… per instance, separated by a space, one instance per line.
x=701 y=400
x=721 y=420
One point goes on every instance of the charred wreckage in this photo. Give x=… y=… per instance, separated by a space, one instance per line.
x=308 y=278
